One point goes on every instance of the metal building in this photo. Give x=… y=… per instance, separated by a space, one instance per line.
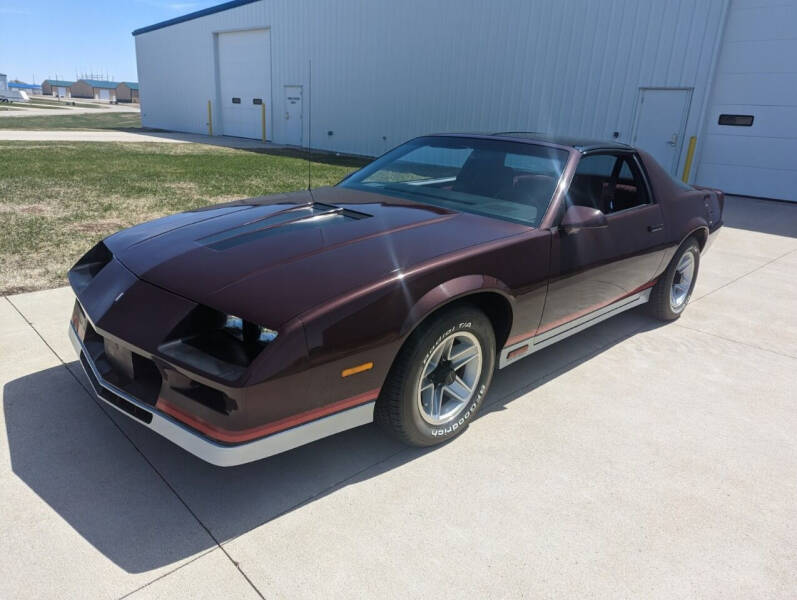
x=127 y=91
x=656 y=73
x=97 y=89
x=56 y=87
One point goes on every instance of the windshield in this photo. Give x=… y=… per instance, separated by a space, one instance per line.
x=513 y=181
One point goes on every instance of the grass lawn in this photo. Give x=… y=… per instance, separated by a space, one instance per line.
x=115 y=120
x=58 y=199
x=6 y=107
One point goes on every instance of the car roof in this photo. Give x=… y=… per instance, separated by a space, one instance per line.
x=580 y=144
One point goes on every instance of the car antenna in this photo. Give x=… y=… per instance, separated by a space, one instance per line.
x=309 y=123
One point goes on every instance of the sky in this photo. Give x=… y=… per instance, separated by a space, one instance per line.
x=49 y=38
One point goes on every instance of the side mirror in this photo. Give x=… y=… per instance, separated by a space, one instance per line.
x=582 y=217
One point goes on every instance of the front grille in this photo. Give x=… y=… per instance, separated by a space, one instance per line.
x=107 y=395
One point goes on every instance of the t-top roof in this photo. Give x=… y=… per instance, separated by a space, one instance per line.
x=194 y=15
x=578 y=143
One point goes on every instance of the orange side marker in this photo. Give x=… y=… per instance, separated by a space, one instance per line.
x=358 y=369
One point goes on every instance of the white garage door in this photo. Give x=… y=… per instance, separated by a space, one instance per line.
x=751 y=129
x=105 y=94
x=244 y=83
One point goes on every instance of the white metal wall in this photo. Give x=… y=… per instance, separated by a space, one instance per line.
x=756 y=75
x=384 y=71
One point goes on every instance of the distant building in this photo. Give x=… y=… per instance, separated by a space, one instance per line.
x=127 y=91
x=96 y=89
x=57 y=87
x=3 y=82
x=28 y=88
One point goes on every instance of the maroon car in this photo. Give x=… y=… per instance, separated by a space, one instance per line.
x=244 y=329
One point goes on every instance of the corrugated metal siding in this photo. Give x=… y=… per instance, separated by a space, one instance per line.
x=384 y=72
x=756 y=75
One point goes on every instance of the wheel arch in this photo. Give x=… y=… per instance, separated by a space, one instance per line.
x=698 y=230
x=487 y=293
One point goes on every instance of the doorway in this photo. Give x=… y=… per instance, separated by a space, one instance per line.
x=293 y=115
x=244 y=82
x=660 y=124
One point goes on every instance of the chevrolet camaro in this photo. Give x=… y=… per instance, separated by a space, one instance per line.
x=242 y=330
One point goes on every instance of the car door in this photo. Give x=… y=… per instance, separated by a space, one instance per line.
x=592 y=268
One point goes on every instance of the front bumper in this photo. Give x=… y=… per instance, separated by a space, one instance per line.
x=222 y=455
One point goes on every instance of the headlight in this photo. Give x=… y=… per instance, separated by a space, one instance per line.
x=248 y=332
x=88 y=266
x=207 y=333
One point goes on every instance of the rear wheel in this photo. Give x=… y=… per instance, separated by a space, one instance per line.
x=674 y=288
x=439 y=379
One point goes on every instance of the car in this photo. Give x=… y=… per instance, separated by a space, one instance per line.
x=245 y=329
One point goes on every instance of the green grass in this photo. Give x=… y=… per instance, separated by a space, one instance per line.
x=61 y=198
x=6 y=107
x=84 y=121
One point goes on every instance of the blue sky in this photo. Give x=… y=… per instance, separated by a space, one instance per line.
x=49 y=37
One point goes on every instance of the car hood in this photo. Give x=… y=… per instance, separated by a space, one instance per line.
x=271 y=258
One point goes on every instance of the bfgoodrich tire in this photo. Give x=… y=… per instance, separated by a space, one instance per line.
x=674 y=288
x=439 y=379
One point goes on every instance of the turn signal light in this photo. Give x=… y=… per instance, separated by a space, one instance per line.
x=358 y=369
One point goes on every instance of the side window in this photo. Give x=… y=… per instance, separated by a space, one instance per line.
x=608 y=182
x=629 y=190
x=592 y=176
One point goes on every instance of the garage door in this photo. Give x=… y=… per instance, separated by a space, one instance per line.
x=105 y=94
x=244 y=83
x=751 y=132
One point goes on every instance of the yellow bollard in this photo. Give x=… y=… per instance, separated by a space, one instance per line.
x=690 y=153
x=210 y=119
x=263 y=120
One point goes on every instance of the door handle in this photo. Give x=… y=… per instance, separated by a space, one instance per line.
x=673 y=140
x=655 y=228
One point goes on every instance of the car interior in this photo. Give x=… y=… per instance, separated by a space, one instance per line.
x=487 y=179
x=608 y=182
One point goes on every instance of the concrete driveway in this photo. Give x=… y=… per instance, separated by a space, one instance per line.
x=144 y=135
x=633 y=460
x=24 y=110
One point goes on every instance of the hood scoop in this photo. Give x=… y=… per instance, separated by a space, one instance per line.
x=313 y=215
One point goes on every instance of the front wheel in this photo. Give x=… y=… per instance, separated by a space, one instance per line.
x=674 y=288
x=439 y=379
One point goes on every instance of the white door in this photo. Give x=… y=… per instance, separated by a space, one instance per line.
x=105 y=94
x=660 y=124
x=61 y=91
x=244 y=82
x=293 y=115
x=749 y=143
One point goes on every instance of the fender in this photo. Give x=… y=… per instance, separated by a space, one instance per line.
x=451 y=290
x=692 y=226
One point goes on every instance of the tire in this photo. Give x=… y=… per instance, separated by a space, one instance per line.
x=417 y=414
x=671 y=293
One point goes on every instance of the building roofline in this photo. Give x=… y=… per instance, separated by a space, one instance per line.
x=194 y=15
